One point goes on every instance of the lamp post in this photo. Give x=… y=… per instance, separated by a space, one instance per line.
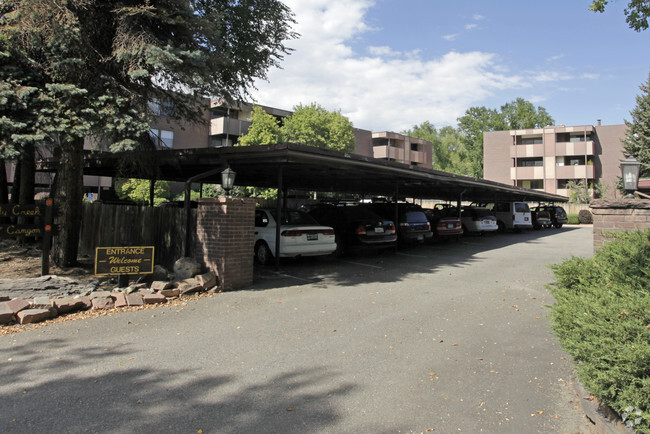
x=228 y=180
x=630 y=171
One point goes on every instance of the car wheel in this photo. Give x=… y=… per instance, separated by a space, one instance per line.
x=558 y=225
x=263 y=253
x=502 y=226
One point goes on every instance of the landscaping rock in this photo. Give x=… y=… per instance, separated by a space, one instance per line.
x=159 y=285
x=120 y=299
x=207 y=280
x=29 y=316
x=6 y=315
x=83 y=303
x=16 y=305
x=159 y=273
x=41 y=302
x=154 y=298
x=171 y=292
x=189 y=286
x=65 y=305
x=103 y=303
x=134 y=299
x=185 y=268
x=100 y=294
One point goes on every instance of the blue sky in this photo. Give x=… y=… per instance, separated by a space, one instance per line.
x=389 y=65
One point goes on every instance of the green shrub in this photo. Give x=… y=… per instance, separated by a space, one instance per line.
x=585 y=217
x=573 y=219
x=602 y=318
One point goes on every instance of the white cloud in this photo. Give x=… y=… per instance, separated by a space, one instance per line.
x=382 y=89
x=470 y=26
x=451 y=37
x=478 y=17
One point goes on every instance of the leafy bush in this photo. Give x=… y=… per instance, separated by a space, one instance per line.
x=573 y=219
x=602 y=318
x=585 y=217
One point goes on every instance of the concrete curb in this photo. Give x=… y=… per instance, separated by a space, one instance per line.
x=605 y=420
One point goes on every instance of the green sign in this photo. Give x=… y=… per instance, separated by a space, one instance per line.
x=115 y=261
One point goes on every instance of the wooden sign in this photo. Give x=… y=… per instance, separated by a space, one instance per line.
x=115 y=261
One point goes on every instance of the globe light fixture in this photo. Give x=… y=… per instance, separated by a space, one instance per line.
x=228 y=180
x=630 y=172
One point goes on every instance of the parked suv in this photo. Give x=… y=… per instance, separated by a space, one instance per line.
x=413 y=225
x=512 y=215
x=541 y=217
x=557 y=215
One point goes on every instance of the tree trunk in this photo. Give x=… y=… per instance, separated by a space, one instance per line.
x=4 y=185
x=27 y=173
x=15 y=183
x=68 y=198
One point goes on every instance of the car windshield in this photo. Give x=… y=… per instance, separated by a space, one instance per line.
x=294 y=217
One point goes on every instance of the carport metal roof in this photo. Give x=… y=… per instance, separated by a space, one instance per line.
x=313 y=169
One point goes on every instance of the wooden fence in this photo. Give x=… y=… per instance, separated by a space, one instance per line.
x=105 y=225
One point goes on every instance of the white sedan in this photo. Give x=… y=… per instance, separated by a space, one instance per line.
x=478 y=219
x=300 y=235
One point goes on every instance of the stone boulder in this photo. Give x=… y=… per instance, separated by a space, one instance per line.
x=185 y=268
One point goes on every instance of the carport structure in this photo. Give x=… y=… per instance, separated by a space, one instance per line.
x=300 y=167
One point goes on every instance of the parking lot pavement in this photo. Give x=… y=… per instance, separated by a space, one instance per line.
x=445 y=337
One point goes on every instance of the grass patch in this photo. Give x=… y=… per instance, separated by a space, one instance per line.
x=602 y=318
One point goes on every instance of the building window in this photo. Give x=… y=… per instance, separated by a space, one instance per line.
x=537 y=140
x=571 y=160
x=530 y=162
x=161 y=109
x=573 y=137
x=414 y=146
x=163 y=139
x=535 y=184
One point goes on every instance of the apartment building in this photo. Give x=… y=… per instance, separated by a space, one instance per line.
x=548 y=158
x=403 y=149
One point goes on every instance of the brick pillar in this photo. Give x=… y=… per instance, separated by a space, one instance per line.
x=619 y=215
x=225 y=239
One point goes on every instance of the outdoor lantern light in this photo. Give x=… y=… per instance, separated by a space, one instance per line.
x=228 y=179
x=630 y=170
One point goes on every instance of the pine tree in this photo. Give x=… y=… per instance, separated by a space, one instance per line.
x=77 y=69
x=637 y=137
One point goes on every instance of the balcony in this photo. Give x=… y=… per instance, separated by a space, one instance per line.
x=575 y=172
x=574 y=148
x=527 y=151
x=389 y=153
x=417 y=157
x=224 y=125
x=535 y=172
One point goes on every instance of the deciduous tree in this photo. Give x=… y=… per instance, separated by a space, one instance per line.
x=637 y=12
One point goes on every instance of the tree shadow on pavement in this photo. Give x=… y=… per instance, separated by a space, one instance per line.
x=94 y=390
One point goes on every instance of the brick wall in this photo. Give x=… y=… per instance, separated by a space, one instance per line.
x=619 y=215
x=225 y=239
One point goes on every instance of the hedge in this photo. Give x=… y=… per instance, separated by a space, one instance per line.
x=602 y=318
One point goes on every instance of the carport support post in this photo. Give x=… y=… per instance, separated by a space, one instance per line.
x=278 y=222
x=396 y=213
x=458 y=202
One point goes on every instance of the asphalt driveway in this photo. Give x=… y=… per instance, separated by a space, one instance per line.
x=450 y=337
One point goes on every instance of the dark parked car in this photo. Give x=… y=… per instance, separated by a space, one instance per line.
x=557 y=214
x=356 y=227
x=541 y=217
x=413 y=227
x=445 y=222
